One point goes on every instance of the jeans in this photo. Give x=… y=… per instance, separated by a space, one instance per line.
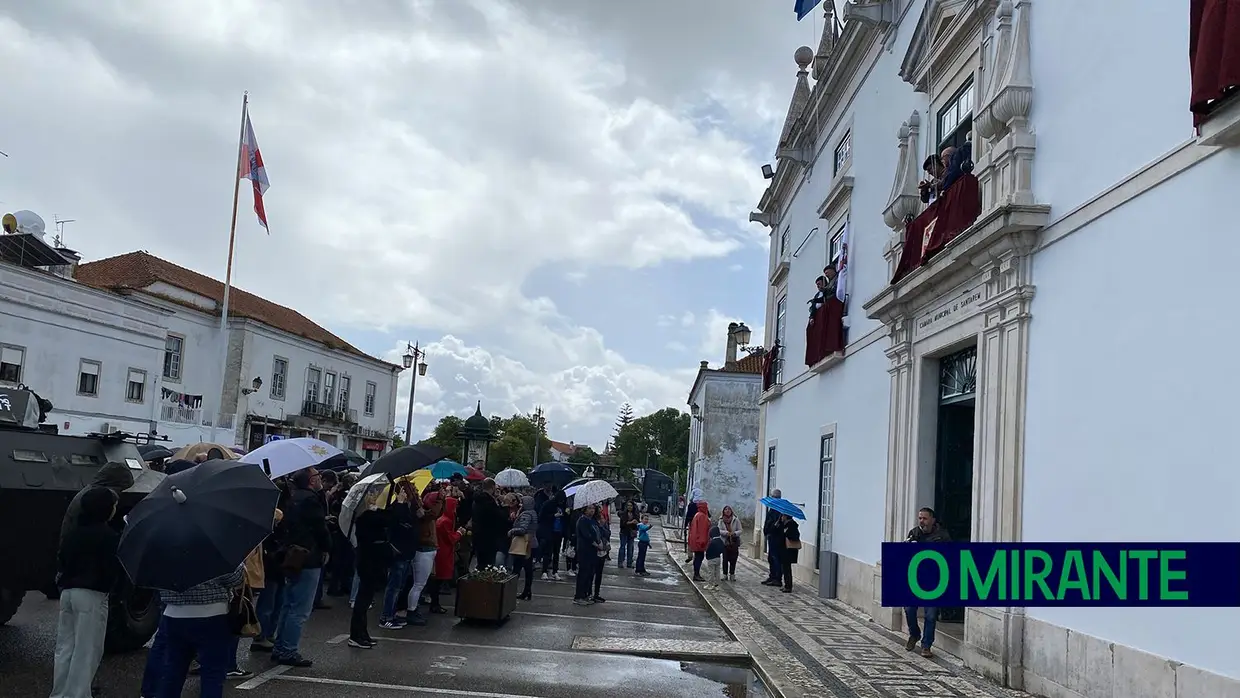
x=208 y=639
x=423 y=565
x=362 y=599
x=299 y=591
x=357 y=581
x=712 y=570
x=397 y=575
x=79 y=641
x=625 y=556
x=927 y=637
x=585 y=575
x=156 y=658
x=697 y=564
x=773 y=546
x=234 y=644
x=268 y=606
x=524 y=563
x=550 y=548
x=642 y=547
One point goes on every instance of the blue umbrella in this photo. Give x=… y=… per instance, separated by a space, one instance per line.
x=445 y=469
x=783 y=506
x=557 y=474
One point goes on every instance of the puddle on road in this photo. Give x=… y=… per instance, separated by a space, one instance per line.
x=734 y=681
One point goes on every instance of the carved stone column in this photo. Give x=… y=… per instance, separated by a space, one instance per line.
x=1005 y=164
x=995 y=636
x=901 y=473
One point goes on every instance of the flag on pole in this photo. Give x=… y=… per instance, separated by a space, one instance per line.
x=841 y=268
x=804 y=7
x=252 y=169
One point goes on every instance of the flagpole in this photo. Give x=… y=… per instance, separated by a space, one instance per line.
x=232 y=241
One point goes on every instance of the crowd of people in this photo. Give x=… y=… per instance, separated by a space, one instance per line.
x=716 y=543
x=401 y=551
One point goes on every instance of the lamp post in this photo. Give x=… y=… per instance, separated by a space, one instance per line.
x=413 y=353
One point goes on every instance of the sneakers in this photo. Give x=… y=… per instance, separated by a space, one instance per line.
x=546 y=576
x=414 y=618
x=911 y=644
x=363 y=644
x=239 y=674
x=293 y=660
x=598 y=599
x=925 y=652
x=392 y=624
x=582 y=602
x=262 y=644
x=555 y=576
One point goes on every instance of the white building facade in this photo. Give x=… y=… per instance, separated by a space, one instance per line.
x=1004 y=378
x=723 y=435
x=133 y=343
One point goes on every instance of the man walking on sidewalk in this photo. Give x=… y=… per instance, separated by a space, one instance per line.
x=927 y=530
x=774 y=534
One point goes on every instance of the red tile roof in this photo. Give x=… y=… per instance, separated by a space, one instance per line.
x=752 y=363
x=136 y=271
x=564 y=448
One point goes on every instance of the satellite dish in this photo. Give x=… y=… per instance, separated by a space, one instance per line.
x=26 y=222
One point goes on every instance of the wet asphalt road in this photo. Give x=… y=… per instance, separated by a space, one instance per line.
x=530 y=656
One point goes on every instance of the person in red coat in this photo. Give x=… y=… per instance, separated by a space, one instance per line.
x=445 y=557
x=699 y=538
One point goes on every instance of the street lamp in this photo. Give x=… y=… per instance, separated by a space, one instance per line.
x=743 y=334
x=413 y=353
x=257 y=383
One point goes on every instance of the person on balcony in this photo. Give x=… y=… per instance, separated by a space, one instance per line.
x=957 y=163
x=930 y=187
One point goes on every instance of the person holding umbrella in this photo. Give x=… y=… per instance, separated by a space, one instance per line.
x=187 y=539
x=374 y=557
x=587 y=533
x=790 y=532
x=307 y=543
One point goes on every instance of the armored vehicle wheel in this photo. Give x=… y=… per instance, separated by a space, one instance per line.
x=10 y=600
x=132 y=619
x=656 y=508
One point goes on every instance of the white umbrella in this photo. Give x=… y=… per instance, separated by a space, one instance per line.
x=353 y=499
x=279 y=458
x=512 y=478
x=593 y=492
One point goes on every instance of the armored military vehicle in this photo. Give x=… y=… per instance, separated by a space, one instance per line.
x=40 y=472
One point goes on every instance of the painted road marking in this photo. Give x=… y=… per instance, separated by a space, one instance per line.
x=338 y=639
x=616 y=620
x=272 y=673
x=526 y=650
x=642 y=590
x=627 y=603
x=406 y=689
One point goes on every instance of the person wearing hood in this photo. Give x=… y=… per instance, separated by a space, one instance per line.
x=690 y=512
x=116 y=477
x=87 y=571
x=699 y=538
x=372 y=559
x=587 y=546
x=551 y=525
x=714 y=557
x=448 y=535
x=307 y=543
x=524 y=543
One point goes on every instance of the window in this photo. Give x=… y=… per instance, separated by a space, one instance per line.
x=345 y=384
x=770 y=470
x=135 y=387
x=781 y=317
x=826 y=492
x=836 y=246
x=174 y=357
x=843 y=152
x=369 y=406
x=279 y=377
x=956 y=118
x=313 y=377
x=88 y=378
x=783 y=242
x=11 y=360
x=329 y=389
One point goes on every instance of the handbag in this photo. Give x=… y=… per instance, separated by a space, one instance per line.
x=520 y=545
x=242 y=613
x=792 y=544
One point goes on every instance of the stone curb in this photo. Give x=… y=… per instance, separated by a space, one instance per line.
x=679 y=650
x=759 y=661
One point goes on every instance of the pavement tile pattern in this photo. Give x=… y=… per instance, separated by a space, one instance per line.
x=806 y=646
x=664 y=648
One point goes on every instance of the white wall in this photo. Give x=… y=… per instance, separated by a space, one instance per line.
x=200 y=367
x=263 y=344
x=1133 y=328
x=1093 y=131
x=57 y=323
x=727 y=439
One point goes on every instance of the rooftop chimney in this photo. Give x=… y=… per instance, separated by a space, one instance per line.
x=705 y=365
x=729 y=356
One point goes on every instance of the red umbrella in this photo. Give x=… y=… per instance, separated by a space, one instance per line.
x=473 y=474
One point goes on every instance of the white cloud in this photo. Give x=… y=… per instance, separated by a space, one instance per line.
x=427 y=160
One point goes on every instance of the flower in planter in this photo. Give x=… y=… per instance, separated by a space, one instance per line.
x=494 y=573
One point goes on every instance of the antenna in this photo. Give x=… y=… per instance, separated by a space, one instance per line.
x=60 y=228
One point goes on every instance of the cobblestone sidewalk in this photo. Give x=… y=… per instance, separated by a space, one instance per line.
x=803 y=646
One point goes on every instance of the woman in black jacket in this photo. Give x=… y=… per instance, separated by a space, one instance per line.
x=791 y=533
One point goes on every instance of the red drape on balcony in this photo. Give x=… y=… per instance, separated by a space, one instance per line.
x=949 y=215
x=1213 y=54
x=768 y=366
x=825 y=335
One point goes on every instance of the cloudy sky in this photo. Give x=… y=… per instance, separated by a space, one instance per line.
x=550 y=195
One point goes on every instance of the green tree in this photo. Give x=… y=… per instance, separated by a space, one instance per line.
x=444 y=436
x=624 y=419
x=659 y=440
x=510 y=452
x=585 y=454
x=397 y=441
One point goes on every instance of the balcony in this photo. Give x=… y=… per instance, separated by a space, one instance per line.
x=328 y=412
x=194 y=416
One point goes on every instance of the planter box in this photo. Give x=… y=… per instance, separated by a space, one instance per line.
x=486 y=601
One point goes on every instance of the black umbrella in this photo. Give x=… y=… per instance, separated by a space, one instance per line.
x=156 y=453
x=343 y=461
x=197 y=525
x=557 y=474
x=405 y=460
